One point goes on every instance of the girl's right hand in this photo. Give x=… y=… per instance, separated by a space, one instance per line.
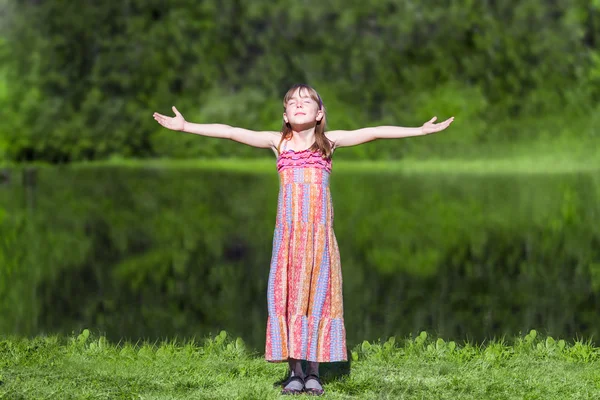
x=175 y=123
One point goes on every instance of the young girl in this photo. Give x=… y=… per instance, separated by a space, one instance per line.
x=305 y=315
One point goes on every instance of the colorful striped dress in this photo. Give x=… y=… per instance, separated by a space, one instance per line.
x=304 y=294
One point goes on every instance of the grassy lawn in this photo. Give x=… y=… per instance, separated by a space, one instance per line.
x=88 y=367
x=521 y=165
x=542 y=156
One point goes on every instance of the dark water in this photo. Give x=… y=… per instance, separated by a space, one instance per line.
x=151 y=253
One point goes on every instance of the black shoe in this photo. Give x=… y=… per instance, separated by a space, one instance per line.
x=313 y=391
x=294 y=391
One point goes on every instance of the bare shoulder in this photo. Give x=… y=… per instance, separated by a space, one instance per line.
x=274 y=136
x=334 y=137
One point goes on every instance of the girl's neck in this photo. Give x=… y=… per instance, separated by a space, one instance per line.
x=303 y=138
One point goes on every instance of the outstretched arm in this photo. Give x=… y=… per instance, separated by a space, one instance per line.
x=262 y=139
x=359 y=136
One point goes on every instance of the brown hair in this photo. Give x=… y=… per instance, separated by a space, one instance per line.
x=322 y=144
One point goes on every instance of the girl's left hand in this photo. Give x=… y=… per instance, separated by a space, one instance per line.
x=430 y=127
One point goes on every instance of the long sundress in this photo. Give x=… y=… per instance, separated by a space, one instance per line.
x=304 y=295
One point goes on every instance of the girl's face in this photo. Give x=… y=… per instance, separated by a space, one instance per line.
x=302 y=110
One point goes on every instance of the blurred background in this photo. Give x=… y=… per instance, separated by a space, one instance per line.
x=110 y=222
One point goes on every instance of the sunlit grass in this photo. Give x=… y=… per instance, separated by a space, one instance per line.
x=87 y=366
x=523 y=165
x=561 y=154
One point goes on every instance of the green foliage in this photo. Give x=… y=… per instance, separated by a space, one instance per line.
x=496 y=352
x=80 y=82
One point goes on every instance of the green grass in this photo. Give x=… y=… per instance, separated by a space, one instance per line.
x=88 y=367
x=550 y=153
x=541 y=164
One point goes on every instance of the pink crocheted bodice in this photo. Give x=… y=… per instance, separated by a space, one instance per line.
x=302 y=159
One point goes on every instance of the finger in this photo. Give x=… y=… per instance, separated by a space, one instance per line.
x=163 y=121
x=445 y=124
x=175 y=111
x=432 y=120
x=441 y=126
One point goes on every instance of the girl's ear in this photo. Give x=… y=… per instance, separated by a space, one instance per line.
x=285 y=118
x=319 y=115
